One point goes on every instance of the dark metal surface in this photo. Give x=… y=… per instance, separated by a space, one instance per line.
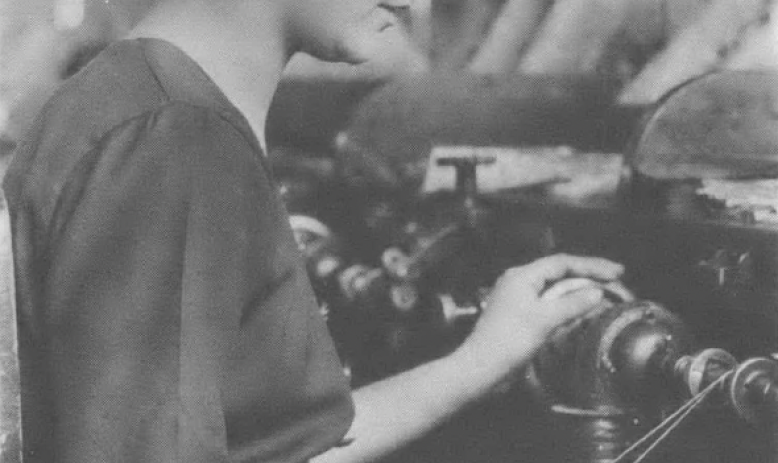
x=722 y=125
x=610 y=375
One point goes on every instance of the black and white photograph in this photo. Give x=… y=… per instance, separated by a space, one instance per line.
x=389 y=231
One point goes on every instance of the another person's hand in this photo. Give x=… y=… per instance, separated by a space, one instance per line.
x=517 y=319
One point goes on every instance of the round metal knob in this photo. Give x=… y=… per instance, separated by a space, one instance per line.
x=700 y=370
x=753 y=391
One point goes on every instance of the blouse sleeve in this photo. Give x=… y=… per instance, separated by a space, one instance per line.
x=180 y=322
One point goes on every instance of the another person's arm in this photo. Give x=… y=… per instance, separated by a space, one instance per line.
x=398 y=410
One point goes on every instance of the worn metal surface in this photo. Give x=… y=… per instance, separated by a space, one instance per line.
x=609 y=361
x=723 y=125
x=10 y=389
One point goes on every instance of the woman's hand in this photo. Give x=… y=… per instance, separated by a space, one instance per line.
x=517 y=318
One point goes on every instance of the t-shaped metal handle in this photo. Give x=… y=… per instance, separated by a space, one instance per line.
x=466 y=181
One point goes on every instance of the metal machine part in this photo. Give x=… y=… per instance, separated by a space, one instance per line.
x=385 y=315
x=620 y=370
x=722 y=125
x=419 y=295
x=700 y=370
x=606 y=375
x=612 y=375
x=753 y=391
x=608 y=359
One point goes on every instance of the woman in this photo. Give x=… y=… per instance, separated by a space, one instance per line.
x=164 y=314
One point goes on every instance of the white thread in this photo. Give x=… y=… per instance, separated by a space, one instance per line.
x=670 y=423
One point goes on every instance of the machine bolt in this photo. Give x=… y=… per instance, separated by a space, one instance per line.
x=327 y=266
x=730 y=271
x=404 y=297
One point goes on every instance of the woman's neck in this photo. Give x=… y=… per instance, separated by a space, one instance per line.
x=243 y=52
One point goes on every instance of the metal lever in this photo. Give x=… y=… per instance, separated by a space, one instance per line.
x=467 y=186
x=466 y=183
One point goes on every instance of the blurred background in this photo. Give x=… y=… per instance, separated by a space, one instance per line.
x=641 y=48
x=570 y=98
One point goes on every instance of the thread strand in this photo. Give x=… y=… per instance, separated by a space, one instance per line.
x=670 y=423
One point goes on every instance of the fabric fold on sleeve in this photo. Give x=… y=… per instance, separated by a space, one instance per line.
x=180 y=323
